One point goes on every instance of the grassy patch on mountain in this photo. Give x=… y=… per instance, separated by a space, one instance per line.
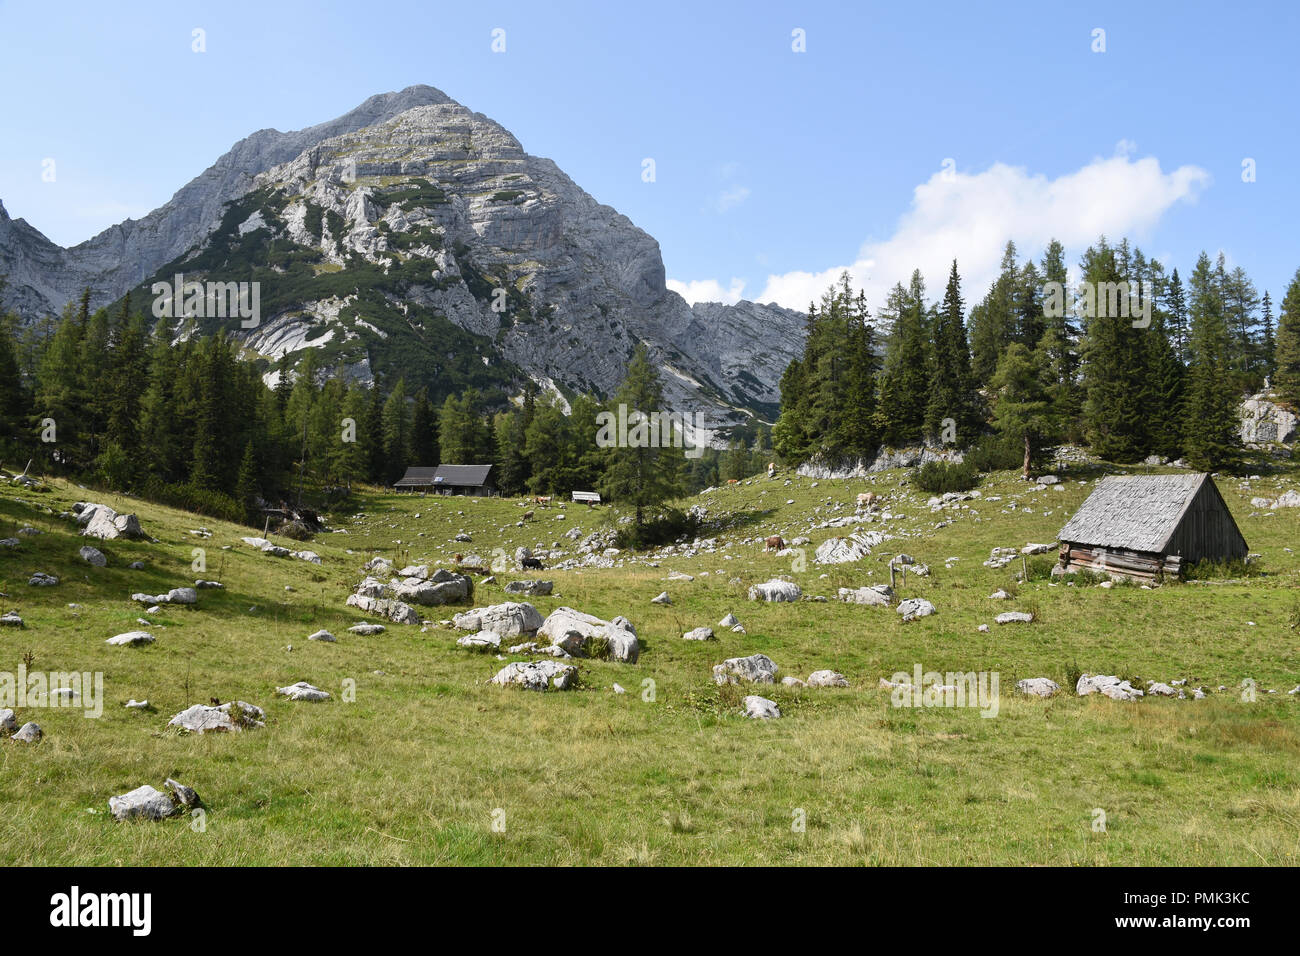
x=428 y=758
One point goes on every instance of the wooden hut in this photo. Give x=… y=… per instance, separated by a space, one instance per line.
x=1144 y=526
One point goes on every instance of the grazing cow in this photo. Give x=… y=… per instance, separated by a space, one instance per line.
x=771 y=469
x=773 y=543
x=732 y=481
x=542 y=500
x=457 y=558
x=527 y=515
x=531 y=564
x=867 y=499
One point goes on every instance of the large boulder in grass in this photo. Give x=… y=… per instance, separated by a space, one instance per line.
x=755 y=669
x=775 y=590
x=760 y=708
x=101 y=521
x=143 y=803
x=568 y=628
x=879 y=594
x=510 y=619
x=1038 y=686
x=233 y=716
x=536 y=675
x=396 y=611
x=530 y=588
x=855 y=547
x=913 y=608
x=444 y=587
x=1108 y=685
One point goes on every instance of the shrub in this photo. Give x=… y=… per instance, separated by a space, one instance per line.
x=664 y=528
x=939 y=477
x=996 y=453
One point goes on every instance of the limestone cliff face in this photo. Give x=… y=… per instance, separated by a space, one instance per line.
x=414 y=217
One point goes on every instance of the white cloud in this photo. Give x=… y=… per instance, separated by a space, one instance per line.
x=731 y=198
x=970 y=217
x=708 y=290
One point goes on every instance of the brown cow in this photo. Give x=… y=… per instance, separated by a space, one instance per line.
x=773 y=543
x=732 y=481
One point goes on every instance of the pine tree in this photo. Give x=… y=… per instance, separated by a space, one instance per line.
x=904 y=380
x=1286 y=381
x=1023 y=411
x=397 y=433
x=952 y=399
x=1267 y=339
x=1210 y=430
x=639 y=474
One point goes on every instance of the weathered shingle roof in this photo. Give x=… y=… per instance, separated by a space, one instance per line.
x=462 y=475
x=1136 y=512
x=417 y=475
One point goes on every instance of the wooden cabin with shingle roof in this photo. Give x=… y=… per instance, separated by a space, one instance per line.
x=1146 y=526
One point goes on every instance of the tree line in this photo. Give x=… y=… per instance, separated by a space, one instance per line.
x=112 y=399
x=1129 y=360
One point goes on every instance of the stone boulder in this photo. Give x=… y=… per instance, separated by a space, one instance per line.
x=755 y=669
x=29 y=733
x=510 y=619
x=233 y=715
x=7 y=722
x=1014 y=617
x=323 y=636
x=1037 y=686
x=536 y=675
x=367 y=629
x=827 y=679
x=530 y=588
x=302 y=691
x=1107 y=685
x=143 y=803
x=131 y=638
x=92 y=556
x=443 y=587
x=879 y=594
x=760 y=708
x=775 y=590
x=566 y=627
x=482 y=641
x=912 y=608
x=843 y=550
x=699 y=634
x=107 y=525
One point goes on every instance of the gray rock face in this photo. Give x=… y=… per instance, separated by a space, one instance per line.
x=142 y=803
x=536 y=675
x=1264 y=422
x=775 y=590
x=482 y=641
x=398 y=612
x=756 y=669
x=855 y=547
x=760 y=708
x=92 y=556
x=7 y=722
x=42 y=580
x=513 y=214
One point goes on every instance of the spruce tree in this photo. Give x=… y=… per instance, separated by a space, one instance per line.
x=1286 y=381
x=1210 y=430
x=951 y=393
x=639 y=474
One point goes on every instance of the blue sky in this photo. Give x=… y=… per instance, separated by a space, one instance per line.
x=774 y=169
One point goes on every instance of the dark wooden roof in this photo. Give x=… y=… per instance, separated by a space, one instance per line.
x=462 y=476
x=416 y=476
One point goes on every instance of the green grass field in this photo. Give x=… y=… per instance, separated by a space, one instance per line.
x=431 y=766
